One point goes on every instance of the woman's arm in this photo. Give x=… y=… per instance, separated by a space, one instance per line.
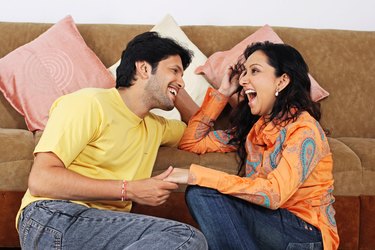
x=301 y=153
x=198 y=137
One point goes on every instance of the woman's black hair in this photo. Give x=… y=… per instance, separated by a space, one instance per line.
x=291 y=101
x=152 y=48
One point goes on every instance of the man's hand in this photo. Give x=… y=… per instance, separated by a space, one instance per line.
x=153 y=191
x=178 y=175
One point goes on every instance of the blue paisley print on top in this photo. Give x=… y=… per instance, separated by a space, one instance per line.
x=307 y=155
x=279 y=144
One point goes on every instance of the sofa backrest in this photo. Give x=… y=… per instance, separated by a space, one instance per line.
x=342 y=61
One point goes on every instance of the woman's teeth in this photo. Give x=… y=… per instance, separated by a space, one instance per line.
x=251 y=94
x=250 y=91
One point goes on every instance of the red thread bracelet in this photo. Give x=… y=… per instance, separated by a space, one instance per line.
x=123 y=190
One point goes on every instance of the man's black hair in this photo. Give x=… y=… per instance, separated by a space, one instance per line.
x=152 y=48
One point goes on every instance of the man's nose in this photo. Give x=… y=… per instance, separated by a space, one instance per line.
x=181 y=83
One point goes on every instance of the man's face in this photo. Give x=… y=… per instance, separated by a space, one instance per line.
x=164 y=84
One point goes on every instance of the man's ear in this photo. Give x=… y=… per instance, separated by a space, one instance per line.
x=284 y=80
x=143 y=69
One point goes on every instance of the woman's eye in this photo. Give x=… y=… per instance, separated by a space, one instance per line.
x=254 y=70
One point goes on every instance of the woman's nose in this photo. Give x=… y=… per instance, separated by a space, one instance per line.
x=243 y=81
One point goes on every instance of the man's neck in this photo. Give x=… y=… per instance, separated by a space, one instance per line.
x=132 y=97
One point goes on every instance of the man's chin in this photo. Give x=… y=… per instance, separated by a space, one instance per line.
x=166 y=108
x=169 y=108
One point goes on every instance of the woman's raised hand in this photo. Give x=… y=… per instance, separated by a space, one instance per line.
x=230 y=81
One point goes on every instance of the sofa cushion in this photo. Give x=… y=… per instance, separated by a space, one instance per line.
x=16 y=158
x=216 y=64
x=347 y=169
x=364 y=148
x=195 y=85
x=56 y=63
x=9 y=117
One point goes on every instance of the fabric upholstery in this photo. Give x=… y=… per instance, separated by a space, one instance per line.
x=348 y=221
x=364 y=148
x=347 y=169
x=10 y=118
x=16 y=158
x=367 y=228
x=10 y=201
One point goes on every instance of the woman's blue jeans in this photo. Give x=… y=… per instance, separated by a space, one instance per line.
x=232 y=223
x=60 y=224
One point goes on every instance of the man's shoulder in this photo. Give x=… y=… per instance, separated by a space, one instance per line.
x=88 y=94
x=92 y=92
x=83 y=98
x=153 y=118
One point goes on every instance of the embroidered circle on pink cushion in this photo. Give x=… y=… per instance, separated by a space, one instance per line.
x=49 y=67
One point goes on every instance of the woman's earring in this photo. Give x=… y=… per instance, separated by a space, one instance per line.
x=277 y=93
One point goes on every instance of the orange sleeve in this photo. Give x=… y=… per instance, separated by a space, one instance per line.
x=198 y=136
x=301 y=154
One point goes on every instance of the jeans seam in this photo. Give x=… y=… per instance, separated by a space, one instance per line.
x=191 y=236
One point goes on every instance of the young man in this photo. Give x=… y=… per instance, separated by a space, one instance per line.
x=96 y=156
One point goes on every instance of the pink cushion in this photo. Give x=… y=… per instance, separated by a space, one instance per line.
x=214 y=67
x=56 y=63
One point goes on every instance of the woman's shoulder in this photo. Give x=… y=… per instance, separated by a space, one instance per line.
x=307 y=125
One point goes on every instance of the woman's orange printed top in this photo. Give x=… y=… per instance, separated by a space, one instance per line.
x=286 y=167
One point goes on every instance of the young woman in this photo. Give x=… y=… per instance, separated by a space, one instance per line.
x=284 y=200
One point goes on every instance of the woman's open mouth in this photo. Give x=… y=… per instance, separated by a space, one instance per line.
x=251 y=94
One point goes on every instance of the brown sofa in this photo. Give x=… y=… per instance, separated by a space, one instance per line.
x=341 y=61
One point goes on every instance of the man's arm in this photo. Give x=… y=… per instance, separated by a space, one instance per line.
x=186 y=105
x=50 y=178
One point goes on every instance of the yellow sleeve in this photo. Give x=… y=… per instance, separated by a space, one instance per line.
x=172 y=132
x=73 y=122
x=198 y=136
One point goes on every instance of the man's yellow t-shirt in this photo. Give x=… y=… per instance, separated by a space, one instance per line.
x=94 y=133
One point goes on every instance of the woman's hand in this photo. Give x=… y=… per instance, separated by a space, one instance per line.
x=153 y=191
x=229 y=85
x=178 y=175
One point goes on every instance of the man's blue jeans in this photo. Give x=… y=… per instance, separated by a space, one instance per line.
x=66 y=225
x=232 y=223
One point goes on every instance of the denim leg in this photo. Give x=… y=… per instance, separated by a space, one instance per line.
x=66 y=225
x=232 y=223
